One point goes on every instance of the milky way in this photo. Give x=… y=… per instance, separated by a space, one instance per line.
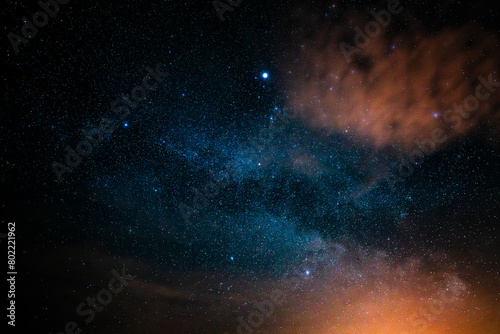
x=270 y=183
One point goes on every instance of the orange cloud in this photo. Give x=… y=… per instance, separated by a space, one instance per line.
x=397 y=89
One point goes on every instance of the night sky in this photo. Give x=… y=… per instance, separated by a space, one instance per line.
x=221 y=167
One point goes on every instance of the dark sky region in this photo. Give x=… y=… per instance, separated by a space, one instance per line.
x=299 y=167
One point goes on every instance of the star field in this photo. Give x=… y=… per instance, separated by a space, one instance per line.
x=263 y=183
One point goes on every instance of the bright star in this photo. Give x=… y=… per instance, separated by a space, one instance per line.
x=265 y=75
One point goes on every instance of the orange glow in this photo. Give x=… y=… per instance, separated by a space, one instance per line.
x=397 y=89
